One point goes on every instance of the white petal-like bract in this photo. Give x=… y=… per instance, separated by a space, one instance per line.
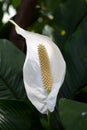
x=43 y=71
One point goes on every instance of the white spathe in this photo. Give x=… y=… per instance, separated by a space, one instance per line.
x=32 y=77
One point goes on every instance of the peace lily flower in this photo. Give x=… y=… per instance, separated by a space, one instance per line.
x=43 y=71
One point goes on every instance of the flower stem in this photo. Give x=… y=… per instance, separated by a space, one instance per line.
x=49 y=120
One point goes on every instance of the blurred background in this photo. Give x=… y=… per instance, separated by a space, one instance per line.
x=41 y=16
x=58 y=19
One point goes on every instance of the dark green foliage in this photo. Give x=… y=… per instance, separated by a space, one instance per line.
x=75 y=56
x=18 y=115
x=73 y=114
x=11 y=78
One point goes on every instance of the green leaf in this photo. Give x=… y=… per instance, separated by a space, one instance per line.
x=11 y=75
x=84 y=89
x=73 y=114
x=15 y=3
x=76 y=60
x=18 y=115
x=67 y=17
